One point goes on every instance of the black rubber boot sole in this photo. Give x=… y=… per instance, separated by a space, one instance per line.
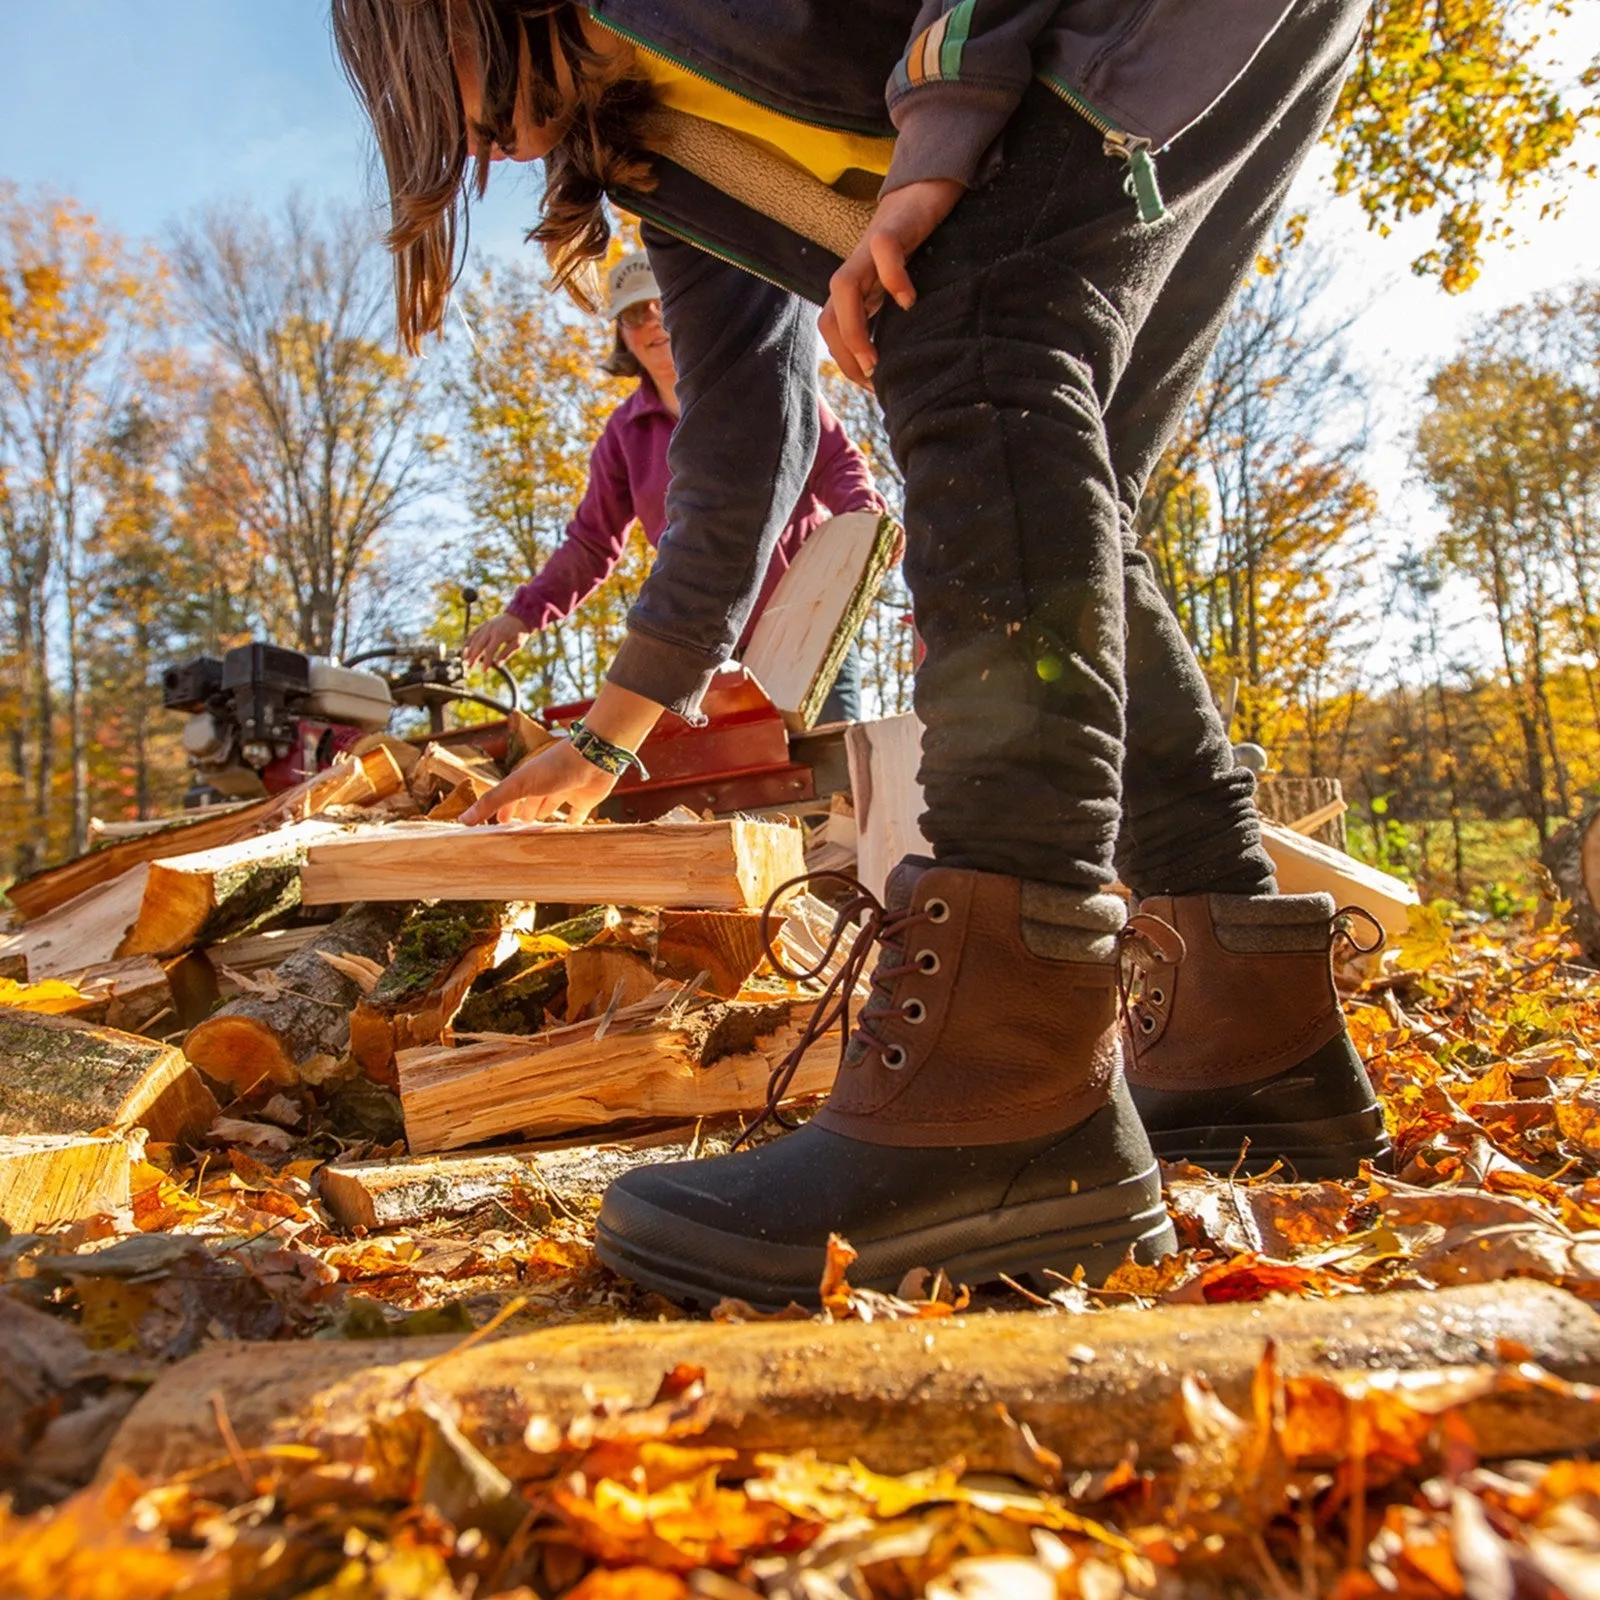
x=1334 y=1147
x=1095 y=1231
x=1318 y=1119
x=755 y=1226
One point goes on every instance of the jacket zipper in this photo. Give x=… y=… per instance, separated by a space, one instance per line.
x=651 y=48
x=1129 y=147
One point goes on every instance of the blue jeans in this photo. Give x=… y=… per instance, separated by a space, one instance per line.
x=844 y=698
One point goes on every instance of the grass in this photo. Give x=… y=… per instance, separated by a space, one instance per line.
x=1500 y=859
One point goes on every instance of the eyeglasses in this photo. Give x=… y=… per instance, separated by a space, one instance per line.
x=641 y=312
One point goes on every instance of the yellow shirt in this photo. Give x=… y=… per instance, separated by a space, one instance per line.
x=823 y=152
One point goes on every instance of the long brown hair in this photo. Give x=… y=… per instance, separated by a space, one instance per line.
x=396 y=54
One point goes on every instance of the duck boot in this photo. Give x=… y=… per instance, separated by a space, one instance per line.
x=979 y=1121
x=1243 y=1040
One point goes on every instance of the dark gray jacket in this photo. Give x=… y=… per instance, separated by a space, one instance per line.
x=944 y=76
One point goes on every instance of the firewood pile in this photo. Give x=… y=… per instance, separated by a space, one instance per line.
x=349 y=952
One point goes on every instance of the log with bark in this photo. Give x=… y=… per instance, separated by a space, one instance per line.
x=441 y=950
x=62 y=1076
x=1289 y=801
x=394 y=1194
x=211 y=895
x=703 y=866
x=47 y=1178
x=897 y=1396
x=650 y=1064
x=352 y=780
x=302 y=1014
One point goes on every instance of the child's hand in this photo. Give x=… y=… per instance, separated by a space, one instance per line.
x=495 y=641
x=550 y=778
x=877 y=266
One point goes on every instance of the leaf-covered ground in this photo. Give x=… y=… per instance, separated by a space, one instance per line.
x=1480 y=1043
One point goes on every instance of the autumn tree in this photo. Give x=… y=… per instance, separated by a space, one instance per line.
x=1256 y=518
x=1510 y=448
x=1458 y=108
x=528 y=400
x=322 y=440
x=75 y=305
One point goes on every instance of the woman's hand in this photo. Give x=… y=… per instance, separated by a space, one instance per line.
x=495 y=641
x=550 y=778
x=877 y=266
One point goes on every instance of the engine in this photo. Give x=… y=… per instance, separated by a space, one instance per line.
x=264 y=718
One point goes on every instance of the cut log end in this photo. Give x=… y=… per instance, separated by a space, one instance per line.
x=240 y=1052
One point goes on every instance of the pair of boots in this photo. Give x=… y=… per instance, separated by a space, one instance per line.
x=1004 y=1096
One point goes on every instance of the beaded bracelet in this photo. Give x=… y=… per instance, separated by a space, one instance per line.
x=602 y=753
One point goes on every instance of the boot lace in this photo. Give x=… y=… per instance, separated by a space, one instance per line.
x=1344 y=920
x=878 y=925
x=1145 y=943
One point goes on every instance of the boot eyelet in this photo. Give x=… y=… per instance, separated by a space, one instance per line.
x=915 y=1012
x=894 y=1058
x=937 y=910
x=928 y=961
x=1158 y=997
x=1147 y=1023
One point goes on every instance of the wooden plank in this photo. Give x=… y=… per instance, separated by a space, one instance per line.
x=554 y=1083
x=1303 y=866
x=816 y=609
x=715 y=866
x=47 y=1178
x=61 y=1076
x=393 y=1194
x=207 y=895
x=349 y=781
x=886 y=794
x=1094 y=1391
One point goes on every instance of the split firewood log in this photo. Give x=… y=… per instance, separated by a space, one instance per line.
x=303 y=1013
x=211 y=895
x=441 y=949
x=651 y=1064
x=349 y=781
x=897 y=1396
x=58 y=1075
x=47 y=1178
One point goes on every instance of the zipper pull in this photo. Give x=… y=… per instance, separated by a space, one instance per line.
x=1141 y=181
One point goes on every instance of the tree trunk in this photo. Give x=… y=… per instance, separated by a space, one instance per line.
x=1573 y=856
x=266 y=1038
x=898 y=1396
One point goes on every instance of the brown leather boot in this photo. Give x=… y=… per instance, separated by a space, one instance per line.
x=1244 y=1040
x=979 y=1122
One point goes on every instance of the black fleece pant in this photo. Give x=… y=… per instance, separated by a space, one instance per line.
x=1029 y=393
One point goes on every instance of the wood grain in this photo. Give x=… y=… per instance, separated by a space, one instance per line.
x=714 y=866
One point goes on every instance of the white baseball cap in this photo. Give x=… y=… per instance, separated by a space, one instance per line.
x=629 y=283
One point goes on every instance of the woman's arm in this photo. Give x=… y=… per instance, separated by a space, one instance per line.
x=746 y=354
x=841 y=478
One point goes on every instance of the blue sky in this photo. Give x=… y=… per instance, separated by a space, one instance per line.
x=145 y=109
